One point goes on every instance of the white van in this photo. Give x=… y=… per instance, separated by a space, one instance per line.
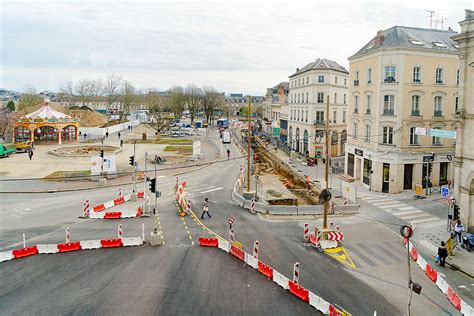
x=226 y=138
x=185 y=131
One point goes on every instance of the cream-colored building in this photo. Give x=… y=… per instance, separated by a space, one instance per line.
x=464 y=159
x=308 y=90
x=276 y=99
x=403 y=78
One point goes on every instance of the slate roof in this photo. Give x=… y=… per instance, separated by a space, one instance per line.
x=283 y=84
x=323 y=64
x=413 y=38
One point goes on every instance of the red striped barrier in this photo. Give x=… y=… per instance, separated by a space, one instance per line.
x=454 y=299
x=111 y=243
x=265 y=270
x=414 y=254
x=119 y=201
x=312 y=239
x=237 y=252
x=333 y=311
x=25 y=252
x=112 y=215
x=140 y=195
x=70 y=246
x=139 y=211
x=299 y=291
x=431 y=273
x=99 y=208
x=208 y=242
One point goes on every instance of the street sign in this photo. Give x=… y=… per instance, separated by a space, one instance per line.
x=428 y=158
x=444 y=192
x=451 y=199
x=418 y=189
x=231 y=220
x=158 y=194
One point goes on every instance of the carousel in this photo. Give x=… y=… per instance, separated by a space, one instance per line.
x=46 y=126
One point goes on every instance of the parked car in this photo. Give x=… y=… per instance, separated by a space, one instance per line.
x=6 y=150
x=186 y=131
x=176 y=134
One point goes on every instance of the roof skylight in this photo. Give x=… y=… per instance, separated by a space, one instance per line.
x=439 y=44
x=370 y=46
x=416 y=42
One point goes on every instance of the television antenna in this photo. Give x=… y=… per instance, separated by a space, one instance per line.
x=442 y=20
x=431 y=17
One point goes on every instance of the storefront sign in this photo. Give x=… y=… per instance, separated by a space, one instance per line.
x=435 y=132
x=428 y=158
x=359 y=152
x=110 y=164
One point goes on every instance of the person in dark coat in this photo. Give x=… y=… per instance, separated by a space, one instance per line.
x=30 y=153
x=205 y=208
x=442 y=253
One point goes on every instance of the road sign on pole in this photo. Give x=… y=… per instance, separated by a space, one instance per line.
x=445 y=192
x=231 y=220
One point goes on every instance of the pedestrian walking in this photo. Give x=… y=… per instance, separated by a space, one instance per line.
x=442 y=254
x=107 y=134
x=307 y=180
x=121 y=143
x=85 y=136
x=228 y=153
x=205 y=208
x=458 y=229
x=30 y=153
x=118 y=135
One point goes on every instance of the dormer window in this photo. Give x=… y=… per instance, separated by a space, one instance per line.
x=416 y=42
x=439 y=44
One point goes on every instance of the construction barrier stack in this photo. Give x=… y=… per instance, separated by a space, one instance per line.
x=98 y=214
x=270 y=273
x=440 y=282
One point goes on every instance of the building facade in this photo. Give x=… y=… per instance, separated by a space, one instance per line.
x=308 y=90
x=403 y=79
x=276 y=99
x=464 y=158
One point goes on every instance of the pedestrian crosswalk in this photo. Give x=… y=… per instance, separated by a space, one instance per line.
x=373 y=254
x=403 y=211
x=194 y=191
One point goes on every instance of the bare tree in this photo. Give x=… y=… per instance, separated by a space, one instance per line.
x=127 y=99
x=81 y=89
x=97 y=90
x=193 y=100
x=7 y=123
x=211 y=101
x=29 y=98
x=176 y=101
x=66 y=93
x=112 y=89
x=159 y=111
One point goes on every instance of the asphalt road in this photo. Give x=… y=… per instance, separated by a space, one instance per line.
x=180 y=277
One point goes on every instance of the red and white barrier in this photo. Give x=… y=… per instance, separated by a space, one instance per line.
x=86 y=208
x=110 y=204
x=116 y=215
x=296 y=272
x=306 y=232
x=335 y=236
x=119 y=231
x=251 y=261
x=252 y=206
x=255 y=249
x=224 y=245
x=68 y=235
x=440 y=282
x=231 y=236
x=188 y=206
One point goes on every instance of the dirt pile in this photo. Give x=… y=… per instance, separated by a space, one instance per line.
x=87 y=116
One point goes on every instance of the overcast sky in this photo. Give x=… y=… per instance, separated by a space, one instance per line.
x=235 y=46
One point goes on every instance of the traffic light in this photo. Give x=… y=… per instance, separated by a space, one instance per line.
x=152 y=185
x=430 y=168
x=456 y=212
x=132 y=160
x=101 y=154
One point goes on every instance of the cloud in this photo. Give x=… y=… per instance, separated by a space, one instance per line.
x=246 y=46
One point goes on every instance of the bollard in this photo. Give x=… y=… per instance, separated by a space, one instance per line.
x=255 y=249
x=86 y=208
x=120 y=192
x=119 y=231
x=296 y=273
x=306 y=232
x=68 y=235
x=143 y=232
x=24 y=240
x=231 y=235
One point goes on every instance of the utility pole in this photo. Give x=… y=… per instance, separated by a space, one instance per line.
x=102 y=160
x=145 y=188
x=431 y=17
x=135 y=169
x=155 y=211
x=248 y=146
x=326 y=169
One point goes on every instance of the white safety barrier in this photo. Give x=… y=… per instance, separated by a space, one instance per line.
x=421 y=263
x=96 y=215
x=132 y=241
x=281 y=280
x=251 y=261
x=128 y=214
x=318 y=303
x=5 y=256
x=91 y=244
x=442 y=284
x=466 y=309
x=109 y=204
x=224 y=245
x=127 y=197
x=48 y=248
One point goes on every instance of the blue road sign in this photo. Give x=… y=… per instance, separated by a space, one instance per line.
x=158 y=194
x=444 y=192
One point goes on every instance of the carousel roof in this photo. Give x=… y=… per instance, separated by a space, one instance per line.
x=46 y=112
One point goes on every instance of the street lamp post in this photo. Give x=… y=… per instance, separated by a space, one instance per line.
x=248 y=146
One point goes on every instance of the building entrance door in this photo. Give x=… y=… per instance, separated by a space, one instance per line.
x=350 y=164
x=408 y=177
x=386 y=178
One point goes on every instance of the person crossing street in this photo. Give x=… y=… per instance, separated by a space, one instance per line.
x=228 y=154
x=205 y=208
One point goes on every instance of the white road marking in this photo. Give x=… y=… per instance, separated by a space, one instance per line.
x=427 y=244
x=410 y=216
x=211 y=190
x=442 y=222
x=418 y=221
x=391 y=205
x=406 y=208
x=386 y=203
x=407 y=212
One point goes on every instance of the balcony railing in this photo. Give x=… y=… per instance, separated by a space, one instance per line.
x=389 y=79
x=438 y=113
x=319 y=122
x=388 y=112
x=356 y=82
x=439 y=81
x=415 y=112
x=367 y=111
x=416 y=81
x=356 y=111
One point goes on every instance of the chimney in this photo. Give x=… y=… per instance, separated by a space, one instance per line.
x=378 y=41
x=297 y=69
